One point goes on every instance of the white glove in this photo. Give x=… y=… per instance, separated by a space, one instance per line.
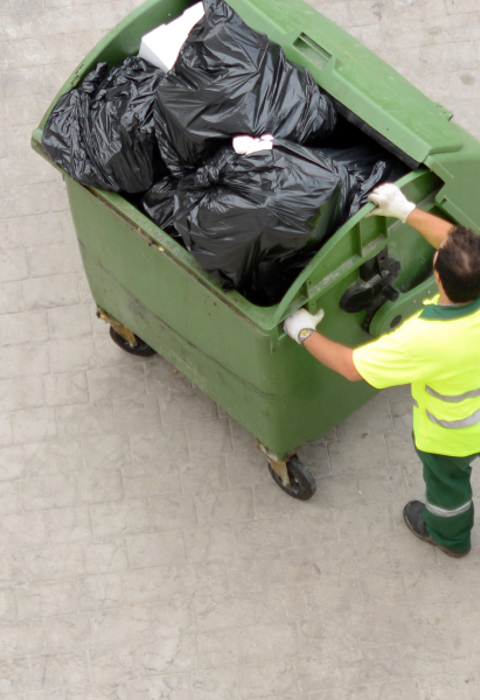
x=299 y=320
x=390 y=201
x=246 y=145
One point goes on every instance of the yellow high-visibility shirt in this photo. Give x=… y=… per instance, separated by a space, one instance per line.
x=437 y=351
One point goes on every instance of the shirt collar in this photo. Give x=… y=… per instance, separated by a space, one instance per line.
x=433 y=312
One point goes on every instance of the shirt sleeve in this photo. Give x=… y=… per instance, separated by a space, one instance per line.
x=386 y=362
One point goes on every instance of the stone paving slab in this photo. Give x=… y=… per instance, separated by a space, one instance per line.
x=145 y=552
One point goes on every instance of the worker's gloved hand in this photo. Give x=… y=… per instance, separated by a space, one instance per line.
x=301 y=320
x=390 y=201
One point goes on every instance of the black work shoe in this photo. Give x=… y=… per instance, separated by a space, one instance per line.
x=413 y=516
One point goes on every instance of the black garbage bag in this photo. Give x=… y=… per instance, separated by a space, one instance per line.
x=255 y=220
x=102 y=132
x=370 y=165
x=229 y=80
x=159 y=204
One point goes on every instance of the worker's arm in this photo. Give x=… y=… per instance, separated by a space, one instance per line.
x=333 y=355
x=431 y=227
x=391 y=201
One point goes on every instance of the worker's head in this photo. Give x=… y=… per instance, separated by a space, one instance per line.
x=457 y=263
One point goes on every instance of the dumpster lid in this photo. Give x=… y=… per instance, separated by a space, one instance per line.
x=368 y=91
x=389 y=108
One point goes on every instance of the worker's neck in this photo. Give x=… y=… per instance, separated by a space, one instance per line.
x=445 y=301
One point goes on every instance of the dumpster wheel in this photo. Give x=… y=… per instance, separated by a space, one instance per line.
x=302 y=484
x=141 y=349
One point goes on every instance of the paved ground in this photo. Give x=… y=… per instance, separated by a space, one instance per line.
x=132 y=576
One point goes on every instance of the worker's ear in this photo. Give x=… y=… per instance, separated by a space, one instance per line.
x=435 y=273
x=438 y=281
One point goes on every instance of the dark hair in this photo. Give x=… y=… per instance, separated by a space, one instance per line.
x=458 y=264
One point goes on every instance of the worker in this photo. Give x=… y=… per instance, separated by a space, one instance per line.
x=437 y=351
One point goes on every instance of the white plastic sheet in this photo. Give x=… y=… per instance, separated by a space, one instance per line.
x=162 y=45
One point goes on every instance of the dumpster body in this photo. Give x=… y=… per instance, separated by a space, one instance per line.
x=370 y=275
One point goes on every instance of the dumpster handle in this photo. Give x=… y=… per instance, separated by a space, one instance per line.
x=313 y=51
x=299 y=295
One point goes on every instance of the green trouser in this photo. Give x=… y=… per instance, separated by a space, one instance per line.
x=449 y=507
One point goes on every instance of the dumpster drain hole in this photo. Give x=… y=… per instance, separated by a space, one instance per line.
x=395 y=321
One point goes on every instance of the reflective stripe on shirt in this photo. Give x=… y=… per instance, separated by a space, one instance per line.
x=467 y=422
x=453 y=399
x=444 y=513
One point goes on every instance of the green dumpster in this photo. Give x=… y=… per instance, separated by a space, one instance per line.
x=369 y=276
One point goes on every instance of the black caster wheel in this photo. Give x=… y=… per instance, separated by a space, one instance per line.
x=141 y=349
x=302 y=484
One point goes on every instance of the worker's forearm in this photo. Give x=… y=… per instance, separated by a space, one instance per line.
x=333 y=355
x=431 y=227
